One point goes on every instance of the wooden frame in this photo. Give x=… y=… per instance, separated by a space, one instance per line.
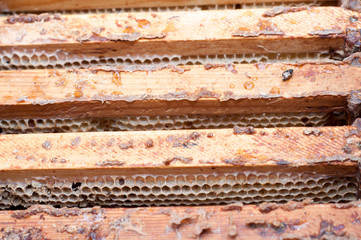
x=51 y=168
x=178 y=33
x=184 y=149
x=216 y=89
x=289 y=221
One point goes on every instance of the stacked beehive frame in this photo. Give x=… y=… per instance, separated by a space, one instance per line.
x=180 y=119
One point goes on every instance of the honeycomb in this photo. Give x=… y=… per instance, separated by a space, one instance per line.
x=40 y=59
x=249 y=5
x=179 y=189
x=142 y=123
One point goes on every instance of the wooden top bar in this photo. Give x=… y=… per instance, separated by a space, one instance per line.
x=288 y=221
x=236 y=147
x=216 y=89
x=181 y=33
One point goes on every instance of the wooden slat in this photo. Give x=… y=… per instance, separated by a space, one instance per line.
x=181 y=33
x=288 y=221
x=47 y=5
x=182 y=149
x=242 y=88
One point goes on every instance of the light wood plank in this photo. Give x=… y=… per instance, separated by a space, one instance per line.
x=182 y=149
x=288 y=221
x=181 y=33
x=114 y=92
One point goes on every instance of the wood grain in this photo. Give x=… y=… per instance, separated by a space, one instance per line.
x=48 y=5
x=228 y=89
x=180 y=33
x=324 y=146
x=289 y=221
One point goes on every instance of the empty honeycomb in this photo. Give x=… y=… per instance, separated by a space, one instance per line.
x=250 y=5
x=33 y=58
x=142 y=123
x=182 y=189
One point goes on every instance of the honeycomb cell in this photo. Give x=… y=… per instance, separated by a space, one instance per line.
x=63 y=197
x=300 y=184
x=106 y=190
x=236 y=187
x=294 y=191
x=180 y=181
x=257 y=186
x=165 y=189
x=206 y=188
x=352 y=187
x=96 y=190
x=19 y=191
x=186 y=189
x=190 y=179
x=201 y=179
x=160 y=181
x=263 y=192
x=155 y=190
x=283 y=191
x=176 y=189
x=109 y=181
x=67 y=190
x=253 y=192
x=211 y=195
x=170 y=181
x=211 y=179
x=72 y=198
x=226 y=188
x=132 y=195
x=116 y=190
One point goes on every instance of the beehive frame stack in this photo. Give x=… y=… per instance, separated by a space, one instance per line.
x=181 y=110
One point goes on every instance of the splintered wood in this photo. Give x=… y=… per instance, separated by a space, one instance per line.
x=284 y=221
x=47 y=5
x=238 y=147
x=181 y=33
x=170 y=90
